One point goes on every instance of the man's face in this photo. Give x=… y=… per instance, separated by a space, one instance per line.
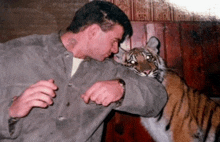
x=106 y=43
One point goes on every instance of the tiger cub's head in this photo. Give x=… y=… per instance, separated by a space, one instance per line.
x=144 y=61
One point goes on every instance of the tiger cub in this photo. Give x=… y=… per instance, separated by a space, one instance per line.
x=188 y=115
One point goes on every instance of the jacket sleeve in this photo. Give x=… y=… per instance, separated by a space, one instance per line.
x=7 y=92
x=5 y=101
x=144 y=96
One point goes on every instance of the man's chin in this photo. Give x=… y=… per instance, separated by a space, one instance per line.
x=102 y=58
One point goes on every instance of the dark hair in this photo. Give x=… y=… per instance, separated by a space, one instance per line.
x=103 y=13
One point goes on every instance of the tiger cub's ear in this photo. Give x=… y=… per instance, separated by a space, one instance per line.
x=120 y=56
x=153 y=44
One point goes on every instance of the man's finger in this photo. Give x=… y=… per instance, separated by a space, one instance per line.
x=43 y=89
x=87 y=95
x=49 y=83
x=85 y=98
x=38 y=103
x=42 y=97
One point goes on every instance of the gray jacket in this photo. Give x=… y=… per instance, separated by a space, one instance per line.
x=25 y=61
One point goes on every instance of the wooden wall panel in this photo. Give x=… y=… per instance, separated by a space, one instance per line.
x=157 y=30
x=210 y=45
x=142 y=10
x=173 y=51
x=217 y=35
x=143 y=31
x=139 y=34
x=179 y=15
x=193 y=63
x=158 y=10
x=208 y=42
x=161 y=11
x=25 y=17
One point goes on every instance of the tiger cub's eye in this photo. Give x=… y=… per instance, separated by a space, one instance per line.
x=133 y=62
x=149 y=58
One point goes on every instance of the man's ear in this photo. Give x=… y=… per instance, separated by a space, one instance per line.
x=93 y=30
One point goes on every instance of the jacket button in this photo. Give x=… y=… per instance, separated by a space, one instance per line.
x=61 y=118
x=67 y=55
x=68 y=104
x=70 y=84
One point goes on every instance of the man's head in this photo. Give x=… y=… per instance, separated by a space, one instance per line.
x=105 y=14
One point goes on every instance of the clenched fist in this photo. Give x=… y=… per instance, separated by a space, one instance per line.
x=104 y=92
x=40 y=95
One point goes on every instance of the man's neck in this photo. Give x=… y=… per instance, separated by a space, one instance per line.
x=72 y=44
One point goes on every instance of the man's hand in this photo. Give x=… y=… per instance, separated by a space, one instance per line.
x=37 y=95
x=104 y=92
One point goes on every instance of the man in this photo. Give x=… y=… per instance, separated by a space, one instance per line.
x=61 y=87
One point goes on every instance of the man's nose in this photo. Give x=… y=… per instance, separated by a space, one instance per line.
x=115 y=48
